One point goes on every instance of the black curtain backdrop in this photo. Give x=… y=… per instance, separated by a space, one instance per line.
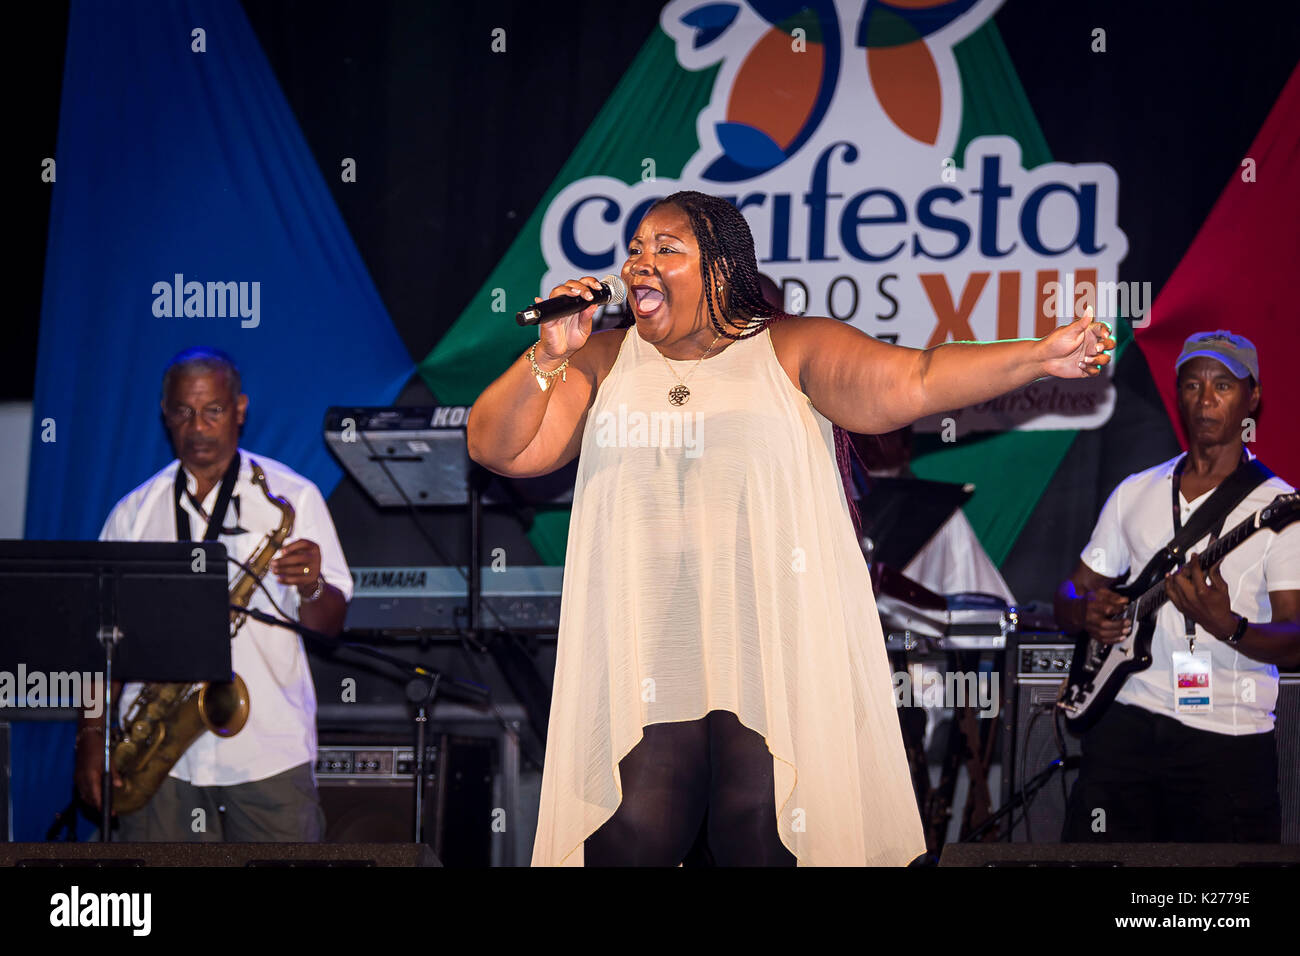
x=455 y=144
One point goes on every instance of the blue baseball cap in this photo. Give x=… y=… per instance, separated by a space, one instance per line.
x=1236 y=352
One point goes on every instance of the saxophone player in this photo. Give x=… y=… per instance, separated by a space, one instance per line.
x=258 y=785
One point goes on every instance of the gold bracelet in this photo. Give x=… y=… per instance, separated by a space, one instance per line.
x=543 y=377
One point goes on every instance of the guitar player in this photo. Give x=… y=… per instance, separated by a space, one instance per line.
x=1186 y=753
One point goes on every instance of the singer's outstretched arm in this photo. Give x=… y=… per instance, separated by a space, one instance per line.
x=868 y=386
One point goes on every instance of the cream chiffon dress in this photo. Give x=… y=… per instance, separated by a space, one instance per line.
x=712 y=565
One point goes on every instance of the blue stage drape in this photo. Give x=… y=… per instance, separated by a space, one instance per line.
x=177 y=154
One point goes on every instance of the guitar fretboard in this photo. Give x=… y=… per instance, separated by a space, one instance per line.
x=1155 y=596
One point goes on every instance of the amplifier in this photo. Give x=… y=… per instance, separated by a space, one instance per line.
x=1040 y=663
x=371 y=763
x=367 y=791
x=1043 y=660
x=1037 y=664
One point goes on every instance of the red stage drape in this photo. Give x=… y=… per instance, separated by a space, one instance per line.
x=1242 y=273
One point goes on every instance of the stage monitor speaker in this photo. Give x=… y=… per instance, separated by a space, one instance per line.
x=215 y=854
x=1119 y=854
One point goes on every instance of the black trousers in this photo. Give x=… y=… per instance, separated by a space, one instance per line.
x=678 y=777
x=1146 y=778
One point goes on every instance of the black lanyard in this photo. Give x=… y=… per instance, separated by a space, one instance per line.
x=1189 y=625
x=218 y=516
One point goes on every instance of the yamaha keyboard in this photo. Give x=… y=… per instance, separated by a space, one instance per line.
x=432 y=601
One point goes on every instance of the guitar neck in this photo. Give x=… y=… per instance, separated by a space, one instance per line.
x=1154 y=597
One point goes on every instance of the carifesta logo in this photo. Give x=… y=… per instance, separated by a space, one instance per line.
x=833 y=126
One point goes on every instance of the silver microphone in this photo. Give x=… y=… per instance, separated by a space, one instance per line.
x=613 y=291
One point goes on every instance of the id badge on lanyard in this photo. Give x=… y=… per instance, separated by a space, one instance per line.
x=1193 y=673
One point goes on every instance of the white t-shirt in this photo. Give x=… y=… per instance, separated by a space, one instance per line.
x=281 y=729
x=1135 y=523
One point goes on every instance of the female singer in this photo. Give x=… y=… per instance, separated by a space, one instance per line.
x=720 y=657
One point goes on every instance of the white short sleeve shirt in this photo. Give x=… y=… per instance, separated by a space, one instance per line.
x=281 y=729
x=1135 y=523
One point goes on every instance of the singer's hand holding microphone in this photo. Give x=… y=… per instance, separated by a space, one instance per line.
x=565 y=318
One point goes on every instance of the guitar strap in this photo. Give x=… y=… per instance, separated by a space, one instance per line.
x=1250 y=474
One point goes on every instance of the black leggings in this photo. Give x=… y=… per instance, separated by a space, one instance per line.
x=677 y=775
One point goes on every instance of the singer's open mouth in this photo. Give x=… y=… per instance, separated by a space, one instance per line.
x=647 y=300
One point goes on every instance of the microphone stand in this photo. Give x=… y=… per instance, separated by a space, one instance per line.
x=421 y=692
x=108 y=635
x=1019 y=799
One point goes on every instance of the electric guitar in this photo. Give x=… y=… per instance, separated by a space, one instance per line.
x=1097 y=670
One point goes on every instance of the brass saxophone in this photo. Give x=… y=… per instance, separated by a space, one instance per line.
x=166 y=718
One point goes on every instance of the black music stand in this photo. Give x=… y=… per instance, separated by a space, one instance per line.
x=130 y=611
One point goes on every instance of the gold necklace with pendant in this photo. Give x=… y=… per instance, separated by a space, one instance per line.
x=679 y=394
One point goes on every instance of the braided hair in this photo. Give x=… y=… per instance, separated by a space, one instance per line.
x=727 y=253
